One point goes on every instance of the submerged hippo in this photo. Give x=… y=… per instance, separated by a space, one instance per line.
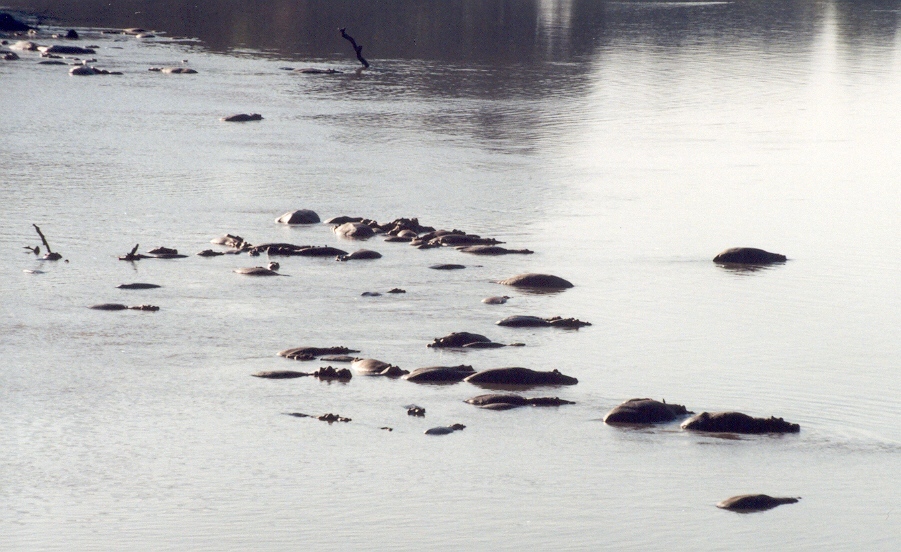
x=645 y=411
x=492 y=250
x=373 y=367
x=280 y=374
x=138 y=285
x=118 y=307
x=520 y=376
x=309 y=353
x=496 y=300
x=537 y=322
x=736 y=422
x=63 y=49
x=330 y=373
x=754 y=502
x=447 y=267
x=256 y=271
x=361 y=254
x=338 y=221
x=440 y=374
x=496 y=401
x=174 y=70
x=460 y=339
x=444 y=430
x=301 y=216
x=242 y=118
x=354 y=230
x=748 y=255
x=538 y=281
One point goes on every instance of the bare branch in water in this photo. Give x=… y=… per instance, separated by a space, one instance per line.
x=357 y=49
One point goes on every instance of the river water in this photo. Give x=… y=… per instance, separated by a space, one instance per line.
x=626 y=143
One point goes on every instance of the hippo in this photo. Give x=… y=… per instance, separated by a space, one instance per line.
x=645 y=411
x=174 y=70
x=243 y=118
x=492 y=250
x=24 y=46
x=372 y=367
x=228 y=240
x=329 y=373
x=463 y=240
x=736 y=422
x=507 y=401
x=52 y=62
x=12 y=56
x=330 y=418
x=280 y=374
x=754 y=503
x=117 y=307
x=370 y=294
x=396 y=290
x=210 y=253
x=496 y=300
x=338 y=358
x=320 y=251
x=538 y=281
x=138 y=285
x=458 y=339
x=362 y=254
x=354 y=231
x=440 y=374
x=66 y=50
x=301 y=216
x=82 y=71
x=338 y=221
x=256 y=271
x=447 y=267
x=537 y=322
x=315 y=71
x=309 y=353
x=748 y=255
x=417 y=411
x=520 y=376
x=444 y=430
x=165 y=253
x=484 y=345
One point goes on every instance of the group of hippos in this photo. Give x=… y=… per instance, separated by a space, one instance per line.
x=638 y=412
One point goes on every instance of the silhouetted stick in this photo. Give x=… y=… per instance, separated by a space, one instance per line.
x=50 y=256
x=357 y=49
x=133 y=255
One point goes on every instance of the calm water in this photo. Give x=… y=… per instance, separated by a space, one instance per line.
x=625 y=142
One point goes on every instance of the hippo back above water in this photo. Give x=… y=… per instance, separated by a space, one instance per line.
x=645 y=411
x=748 y=255
x=520 y=376
x=736 y=422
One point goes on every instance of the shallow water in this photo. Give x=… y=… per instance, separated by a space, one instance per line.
x=626 y=143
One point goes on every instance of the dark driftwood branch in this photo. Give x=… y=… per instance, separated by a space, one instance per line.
x=50 y=256
x=357 y=48
x=43 y=239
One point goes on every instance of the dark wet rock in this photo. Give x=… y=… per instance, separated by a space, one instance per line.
x=315 y=71
x=444 y=430
x=309 y=353
x=396 y=290
x=66 y=50
x=338 y=358
x=495 y=300
x=10 y=24
x=440 y=374
x=228 y=240
x=174 y=70
x=520 y=376
x=447 y=267
x=458 y=339
x=330 y=373
x=338 y=221
x=536 y=322
x=754 y=502
x=24 y=46
x=109 y=307
x=280 y=374
x=373 y=367
x=748 y=255
x=242 y=118
x=210 y=253
x=532 y=280
x=301 y=216
x=256 y=271
x=370 y=294
x=736 y=422
x=495 y=401
x=138 y=285
x=417 y=411
x=362 y=254
x=645 y=411
x=492 y=250
x=354 y=230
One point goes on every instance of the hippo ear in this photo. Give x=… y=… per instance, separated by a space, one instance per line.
x=556 y=371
